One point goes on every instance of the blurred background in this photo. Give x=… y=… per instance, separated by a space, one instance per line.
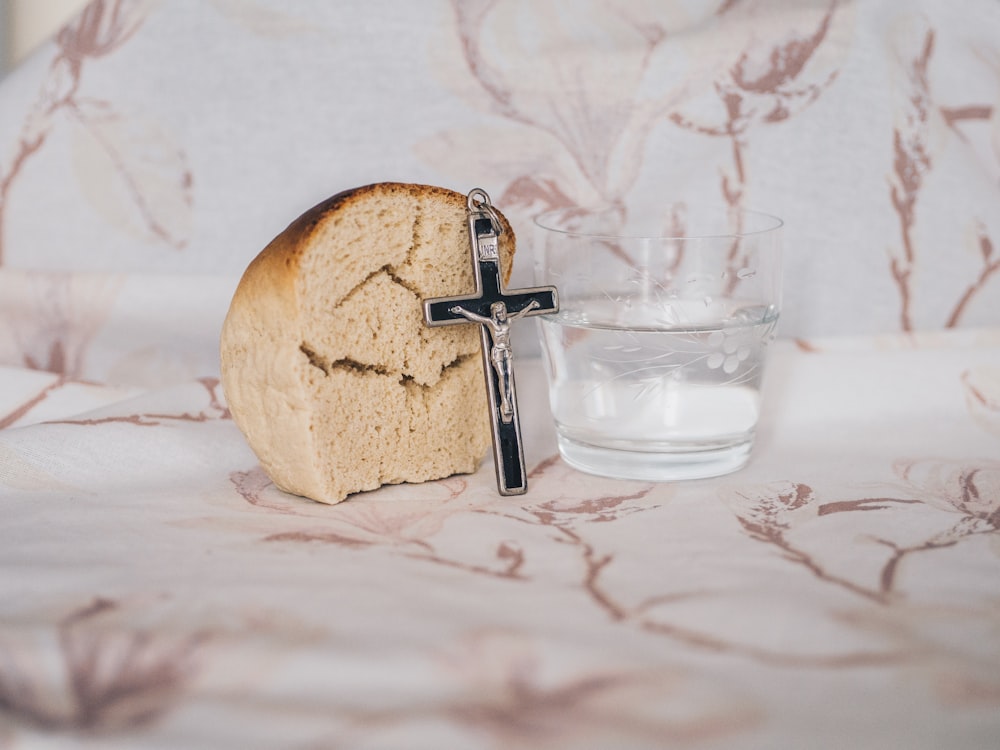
x=24 y=24
x=166 y=140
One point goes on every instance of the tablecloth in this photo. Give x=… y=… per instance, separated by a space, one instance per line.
x=843 y=590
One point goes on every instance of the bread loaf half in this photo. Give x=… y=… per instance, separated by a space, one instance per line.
x=327 y=365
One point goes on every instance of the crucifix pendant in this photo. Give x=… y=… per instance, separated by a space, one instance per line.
x=493 y=308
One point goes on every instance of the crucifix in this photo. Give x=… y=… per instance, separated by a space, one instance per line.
x=493 y=308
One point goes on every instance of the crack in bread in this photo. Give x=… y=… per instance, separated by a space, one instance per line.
x=315 y=360
x=325 y=365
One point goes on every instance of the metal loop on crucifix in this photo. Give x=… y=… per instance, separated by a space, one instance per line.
x=493 y=308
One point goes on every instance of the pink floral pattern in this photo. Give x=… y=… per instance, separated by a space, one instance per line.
x=156 y=589
x=127 y=158
x=52 y=318
x=590 y=613
x=913 y=159
x=113 y=679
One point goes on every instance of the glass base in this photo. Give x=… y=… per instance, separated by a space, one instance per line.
x=662 y=466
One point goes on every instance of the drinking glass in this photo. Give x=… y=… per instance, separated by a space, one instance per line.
x=655 y=358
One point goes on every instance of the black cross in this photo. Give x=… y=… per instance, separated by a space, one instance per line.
x=493 y=308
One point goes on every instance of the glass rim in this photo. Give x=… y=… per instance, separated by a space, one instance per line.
x=774 y=223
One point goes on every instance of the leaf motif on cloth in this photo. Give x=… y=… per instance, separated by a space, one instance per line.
x=404 y=527
x=132 y=173
x=769 y=514
x=511 y=688
x=768 y=511
x=970 y=489
x=214 y=410
x=22 y=409
x=867 y=503
x=115 y=677
x=583 y=141
x=101 y=28
x=587 y=141
x=780 y=78
x=920 y=136
x=764 y=87
x=911 y=160
x=53 y=318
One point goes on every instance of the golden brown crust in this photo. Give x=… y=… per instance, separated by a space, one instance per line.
x=295 y=238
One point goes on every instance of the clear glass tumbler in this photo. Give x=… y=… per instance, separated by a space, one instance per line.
x=656 y=356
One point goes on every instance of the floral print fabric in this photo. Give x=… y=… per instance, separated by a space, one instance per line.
x=841 y=591
x=181 y=137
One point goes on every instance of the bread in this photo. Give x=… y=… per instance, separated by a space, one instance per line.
x=328 y=368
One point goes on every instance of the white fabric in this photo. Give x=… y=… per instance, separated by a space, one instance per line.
x=841 y=591
x=182 y=136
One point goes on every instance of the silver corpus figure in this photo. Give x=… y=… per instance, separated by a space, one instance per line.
x=501 y=354
x=490 y=307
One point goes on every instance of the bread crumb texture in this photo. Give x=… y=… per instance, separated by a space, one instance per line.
x=328 y=367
